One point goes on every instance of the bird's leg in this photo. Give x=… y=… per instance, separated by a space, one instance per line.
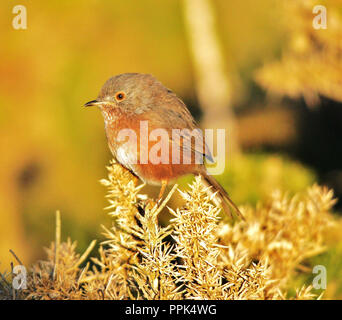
x=162 y=190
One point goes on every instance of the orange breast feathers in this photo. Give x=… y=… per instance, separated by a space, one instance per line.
x=149 y=152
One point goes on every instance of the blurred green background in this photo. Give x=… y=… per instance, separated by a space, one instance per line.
x=54 y=152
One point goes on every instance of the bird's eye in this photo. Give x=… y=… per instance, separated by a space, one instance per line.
x=119 y=96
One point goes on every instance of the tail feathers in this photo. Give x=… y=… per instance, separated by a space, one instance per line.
x=222 y=195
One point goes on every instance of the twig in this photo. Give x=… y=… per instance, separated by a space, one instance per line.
x=161 y=207
x=57 y=242
x=15 y=256
x=84 y=271
x=84 y=255
x=13 y=290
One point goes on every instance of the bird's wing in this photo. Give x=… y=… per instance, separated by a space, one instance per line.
x=193 y=140
x=173 y=115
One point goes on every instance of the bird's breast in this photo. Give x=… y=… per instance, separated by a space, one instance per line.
x=139 y=153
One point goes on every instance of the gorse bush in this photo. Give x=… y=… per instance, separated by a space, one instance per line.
x=198 y=255
x=310 y=64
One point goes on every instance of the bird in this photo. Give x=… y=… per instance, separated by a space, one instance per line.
x=134 y=107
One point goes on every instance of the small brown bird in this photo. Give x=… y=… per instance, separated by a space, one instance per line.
x=137 y=105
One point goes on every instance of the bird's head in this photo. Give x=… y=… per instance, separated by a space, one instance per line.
x=128 y=92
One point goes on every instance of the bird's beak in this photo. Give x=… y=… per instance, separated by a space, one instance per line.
x=93 y=103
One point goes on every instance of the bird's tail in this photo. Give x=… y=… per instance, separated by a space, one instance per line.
x=222 y=195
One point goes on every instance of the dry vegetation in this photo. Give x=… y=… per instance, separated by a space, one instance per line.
x=310 y=65
x=197 y=256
